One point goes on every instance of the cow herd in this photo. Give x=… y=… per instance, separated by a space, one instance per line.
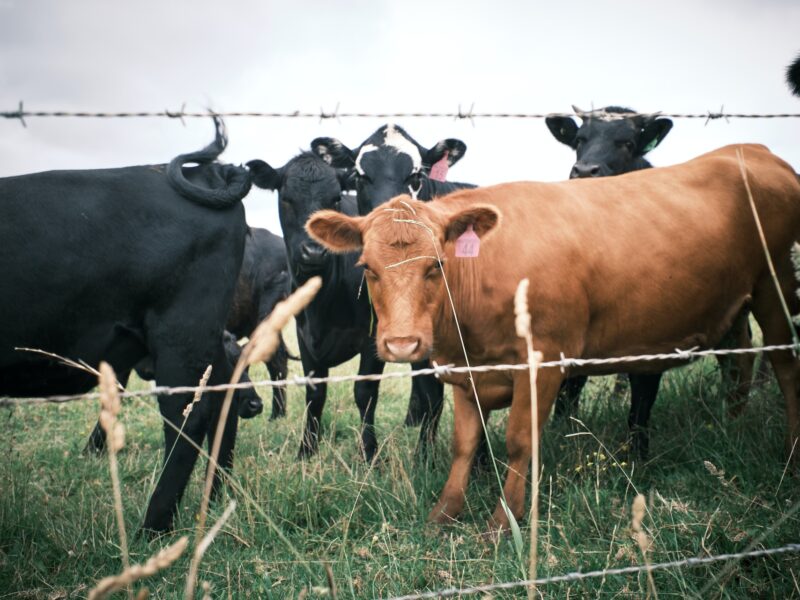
x=154 y=268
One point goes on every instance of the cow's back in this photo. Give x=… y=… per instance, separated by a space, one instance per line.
x=679 y=242
x=92 y=255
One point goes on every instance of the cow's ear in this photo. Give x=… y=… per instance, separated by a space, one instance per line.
x=482 y=217
x=335 y=231
x=653 y=131
x=333 y=152
x=564 y=129
x=454 y=148
x=264 y=176
x=347 y=179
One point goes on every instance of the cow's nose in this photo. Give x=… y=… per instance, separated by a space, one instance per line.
x=250 y=406
x=311 y=252
x=582 y=170
x=402 y=348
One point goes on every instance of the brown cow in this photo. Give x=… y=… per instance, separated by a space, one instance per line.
x=609 y=277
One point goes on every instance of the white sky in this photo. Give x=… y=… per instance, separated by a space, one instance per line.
x=534 y=56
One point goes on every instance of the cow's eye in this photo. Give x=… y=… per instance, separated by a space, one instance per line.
x=369 y=272
x=434 y=271
x=627 y=144
x=415 y=180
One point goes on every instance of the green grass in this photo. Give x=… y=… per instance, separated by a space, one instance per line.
x=58 y=534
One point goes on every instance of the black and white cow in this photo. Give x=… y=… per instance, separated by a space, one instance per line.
x=389 y=163
x=119 y=264
x=338 y=323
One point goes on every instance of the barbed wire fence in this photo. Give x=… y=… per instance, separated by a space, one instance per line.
x=470 y=114
x=680 y=356
x=437 y=370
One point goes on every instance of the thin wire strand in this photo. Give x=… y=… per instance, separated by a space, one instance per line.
x=563 y=363
x=579 y=576
x=21 y=114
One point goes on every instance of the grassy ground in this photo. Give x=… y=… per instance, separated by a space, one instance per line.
x=713 y=485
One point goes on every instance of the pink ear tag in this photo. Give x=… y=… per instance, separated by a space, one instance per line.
x=468 y=244
x=439 y=169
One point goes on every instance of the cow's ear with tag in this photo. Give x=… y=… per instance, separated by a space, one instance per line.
x=564 y=129
x=653 y=131
x=453 y=148
x=333 y=152
x=264 y=176
x=481 y=218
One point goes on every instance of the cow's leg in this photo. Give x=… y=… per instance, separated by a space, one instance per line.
x=278 y=367
x=569 y=396
x=366 y=396
x=315 y=403
x=225 y=457
x=736 y=370
x=174 y=368
x=431 y=390
x=644 y=389
x=418 y=405
x=467 y=432
x=769 y=313
x=518 y=439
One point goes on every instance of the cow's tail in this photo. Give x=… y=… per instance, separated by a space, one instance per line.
x=793 y=76
x=222 y=185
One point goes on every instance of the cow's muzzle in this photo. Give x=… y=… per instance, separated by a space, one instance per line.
x=312 y=255
x=402 y=349
x=250 y=404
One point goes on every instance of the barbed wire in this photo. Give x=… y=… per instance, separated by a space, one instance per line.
x=438 y=370
x=21 y=114
x=578 y=575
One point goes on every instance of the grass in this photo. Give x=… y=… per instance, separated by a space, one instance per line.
x=713 y=485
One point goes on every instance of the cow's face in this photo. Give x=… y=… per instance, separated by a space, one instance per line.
x=389 y=163
x=403 y=247
x=305 y=185
x=607 y=142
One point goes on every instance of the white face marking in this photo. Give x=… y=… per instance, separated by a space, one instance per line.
x=364 y=150
x=396 y=140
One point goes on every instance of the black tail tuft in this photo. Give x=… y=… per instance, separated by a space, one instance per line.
x=793 y=76
x=223 y=188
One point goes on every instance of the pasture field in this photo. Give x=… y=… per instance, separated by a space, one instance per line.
x=713 y=485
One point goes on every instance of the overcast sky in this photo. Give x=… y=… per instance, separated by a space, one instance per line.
x=533 y=56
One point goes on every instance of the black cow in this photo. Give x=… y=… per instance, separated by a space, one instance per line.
x=337 y=325
x=263 y=282
x=793 y=76
x=389 y=163
x=607 y=143
x=250 y=404
x=119 y=264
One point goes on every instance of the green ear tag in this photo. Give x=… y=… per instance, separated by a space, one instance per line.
x=650 y=146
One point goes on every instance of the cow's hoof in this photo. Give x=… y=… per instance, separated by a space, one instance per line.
x=440 y=516
x=306 y=452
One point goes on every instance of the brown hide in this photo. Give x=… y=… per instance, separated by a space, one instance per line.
x=640 y=263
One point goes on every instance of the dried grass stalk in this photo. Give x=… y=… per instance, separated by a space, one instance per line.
x=198 y=393
x=262 y=345
x=523 y=327
x=201 y=548
x=163 y=559
x=115 y=436
x=638 y=511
